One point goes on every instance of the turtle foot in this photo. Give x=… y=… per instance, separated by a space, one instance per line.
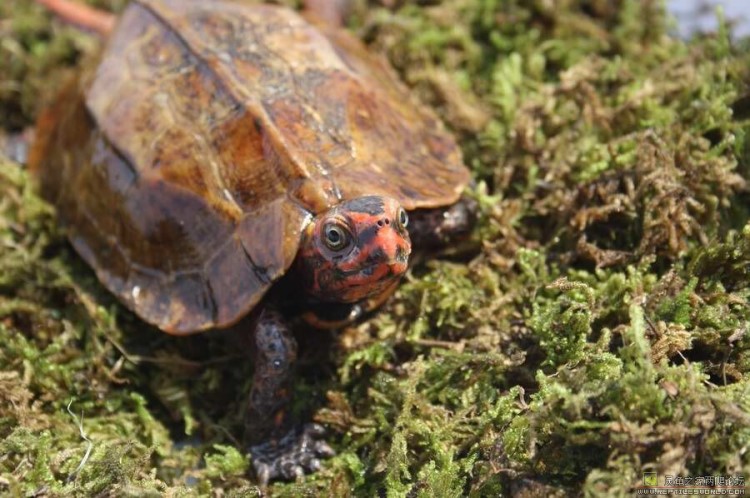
x=291 y=456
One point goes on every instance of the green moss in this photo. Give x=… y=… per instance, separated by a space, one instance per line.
x=227 y=462
x=593 y=328
x=35 y=57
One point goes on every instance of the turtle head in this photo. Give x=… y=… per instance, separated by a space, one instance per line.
x=355 y=250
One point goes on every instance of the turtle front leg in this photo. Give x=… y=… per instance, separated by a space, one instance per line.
x=278 y=449
x=432 y=229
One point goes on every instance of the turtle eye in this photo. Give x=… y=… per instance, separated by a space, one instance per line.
x=403 y=218
x=335 y=237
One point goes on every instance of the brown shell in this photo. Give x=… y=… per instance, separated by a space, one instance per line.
x=187 y=164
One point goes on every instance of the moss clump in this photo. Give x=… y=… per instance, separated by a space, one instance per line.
x=595 y=329
x=35 y=57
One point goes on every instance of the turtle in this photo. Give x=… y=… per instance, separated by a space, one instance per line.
x=216 y=151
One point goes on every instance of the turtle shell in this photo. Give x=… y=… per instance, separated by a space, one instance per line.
x=187 y=162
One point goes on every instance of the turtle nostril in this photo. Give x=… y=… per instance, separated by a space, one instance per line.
x=380 y=223
x=387 y=221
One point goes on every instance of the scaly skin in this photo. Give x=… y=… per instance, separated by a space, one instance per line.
x=278 y=451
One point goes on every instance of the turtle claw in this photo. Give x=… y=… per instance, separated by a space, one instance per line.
x=322 y=449
x=291 y=456
x=262 y=472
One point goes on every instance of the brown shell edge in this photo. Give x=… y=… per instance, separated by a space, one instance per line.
x=216 y=294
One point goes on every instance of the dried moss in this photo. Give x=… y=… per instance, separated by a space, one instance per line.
x=594 y=328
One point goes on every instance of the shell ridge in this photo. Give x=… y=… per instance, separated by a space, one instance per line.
x=213 y=63
x=323 y=171
x=125 y=158
x=291 y=166
x=207 y=59
x=211 y=298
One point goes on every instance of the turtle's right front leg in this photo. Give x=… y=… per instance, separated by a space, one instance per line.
x=278 y=448
x=275 y=354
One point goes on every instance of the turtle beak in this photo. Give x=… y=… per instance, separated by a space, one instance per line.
x=400 y=261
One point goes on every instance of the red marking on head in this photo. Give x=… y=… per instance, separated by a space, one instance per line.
x=356 y=250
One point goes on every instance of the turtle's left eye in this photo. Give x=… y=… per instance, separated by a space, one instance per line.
x=335 y=237
x=403 y=218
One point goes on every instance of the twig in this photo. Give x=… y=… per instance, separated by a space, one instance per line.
x=96 y=20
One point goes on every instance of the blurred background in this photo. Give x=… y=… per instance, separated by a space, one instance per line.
x=700 y=15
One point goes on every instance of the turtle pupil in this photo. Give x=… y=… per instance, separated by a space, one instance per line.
x=335 y=238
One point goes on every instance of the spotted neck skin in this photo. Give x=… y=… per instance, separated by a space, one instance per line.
x=354 y=251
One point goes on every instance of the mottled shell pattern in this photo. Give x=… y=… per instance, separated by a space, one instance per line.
x=187 y=163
